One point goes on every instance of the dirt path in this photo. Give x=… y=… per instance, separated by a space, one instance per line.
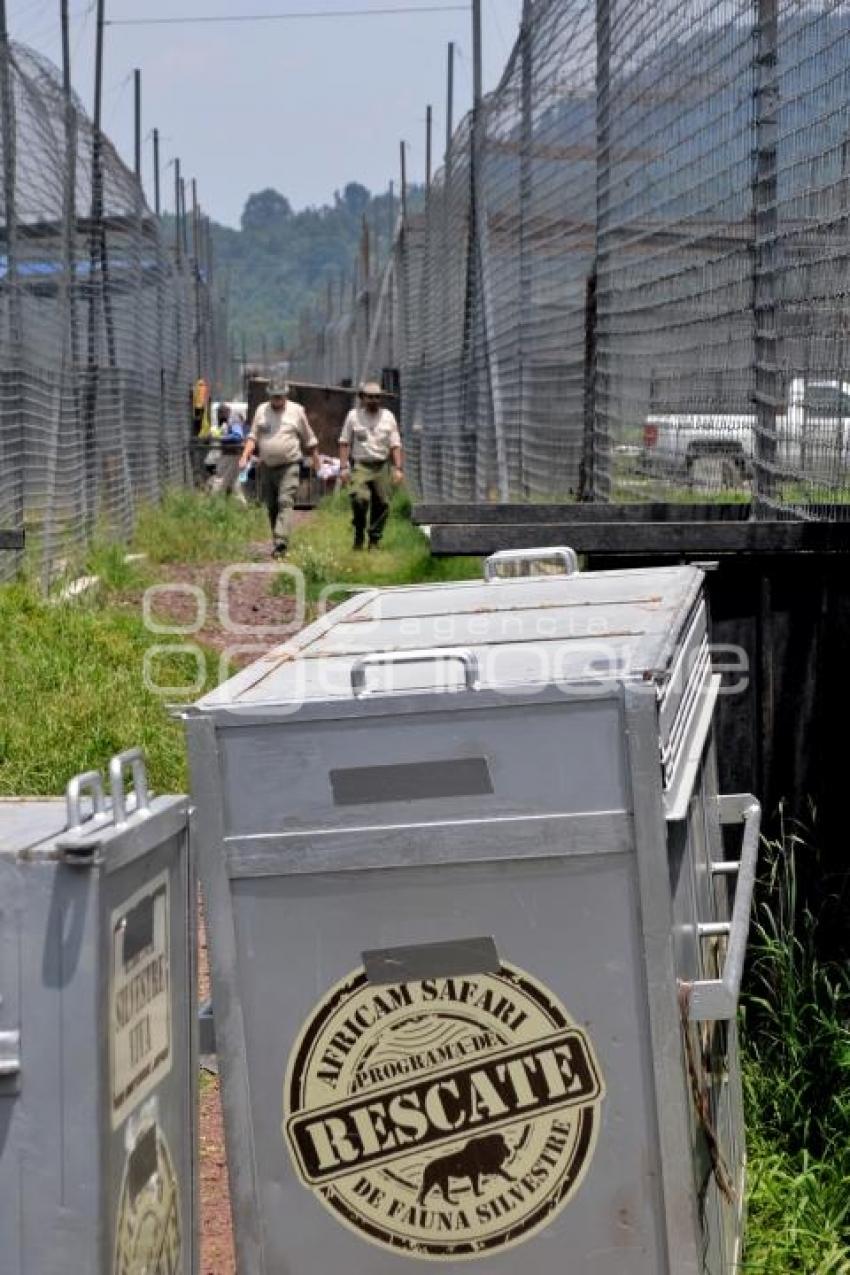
x=240 y=614
x=248 y=603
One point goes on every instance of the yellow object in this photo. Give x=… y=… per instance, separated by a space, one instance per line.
x=201 y=395
x=201 y=406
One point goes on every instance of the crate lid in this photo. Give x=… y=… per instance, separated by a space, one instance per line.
x=26 y=823
x=526 y=632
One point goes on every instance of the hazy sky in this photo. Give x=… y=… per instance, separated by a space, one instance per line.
x=304 y=106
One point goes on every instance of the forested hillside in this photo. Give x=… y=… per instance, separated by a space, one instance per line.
x=280 y=260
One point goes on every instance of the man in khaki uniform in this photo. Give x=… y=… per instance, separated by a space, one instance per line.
x=370 y=439
x=281 y=433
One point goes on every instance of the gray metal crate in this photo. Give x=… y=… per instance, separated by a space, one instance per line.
x=467 y=899
x=97 y=1032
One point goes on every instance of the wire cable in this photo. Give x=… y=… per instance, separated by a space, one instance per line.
x=301 y=16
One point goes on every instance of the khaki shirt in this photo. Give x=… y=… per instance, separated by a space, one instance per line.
x=371 y=436
x=282 y=437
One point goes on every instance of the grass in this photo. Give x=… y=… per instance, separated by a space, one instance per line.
x=74 y=690
x=630 y=488
x=190 y=526
x=108 y=561
x=321 y=548
x=812 y=493
x=797 y=1073
x=74 y=694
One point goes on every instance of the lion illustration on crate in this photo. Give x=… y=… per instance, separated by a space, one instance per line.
x=481 y=1157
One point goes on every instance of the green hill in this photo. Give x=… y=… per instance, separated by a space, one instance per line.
x=281 y=261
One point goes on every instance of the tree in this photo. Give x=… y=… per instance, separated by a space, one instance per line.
x=281 y=261
x=265 y=210
x=356 y=198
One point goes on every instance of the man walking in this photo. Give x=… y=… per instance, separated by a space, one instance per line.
x=281 y=433
x=371 y=441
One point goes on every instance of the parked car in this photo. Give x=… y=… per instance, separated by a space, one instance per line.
x=711 y=449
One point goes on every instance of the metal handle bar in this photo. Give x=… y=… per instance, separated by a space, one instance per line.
x=507 y=557
x=134 y=761
x=90 y=783
x=714 y=999
x=462 y=656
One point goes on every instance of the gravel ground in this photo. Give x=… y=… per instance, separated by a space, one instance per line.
x=241 y=599
x=216 y=1224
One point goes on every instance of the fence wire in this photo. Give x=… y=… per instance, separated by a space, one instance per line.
x=632 y=278
x=103 y=328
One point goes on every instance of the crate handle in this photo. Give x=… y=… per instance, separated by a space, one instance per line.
x=361 y=666
x=715 y=999
x=132 y=760
x=90 y=783
x=505 y=557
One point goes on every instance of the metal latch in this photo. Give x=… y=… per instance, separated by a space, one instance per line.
x=85 y=832
x=10 y=1061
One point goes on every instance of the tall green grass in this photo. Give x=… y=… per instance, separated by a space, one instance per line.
x=108 y=561
x=73 y=694
x=797 y=1071
x=191 y=526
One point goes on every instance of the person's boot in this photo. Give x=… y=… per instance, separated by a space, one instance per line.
x=279 y=551
x=359 y=511
x=359 y=532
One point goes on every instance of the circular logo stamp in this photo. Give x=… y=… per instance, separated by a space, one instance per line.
x=148 y=1239
x=447 y=1118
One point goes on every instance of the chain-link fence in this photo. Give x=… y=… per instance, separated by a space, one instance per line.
x=103 y=328
x=632 y=279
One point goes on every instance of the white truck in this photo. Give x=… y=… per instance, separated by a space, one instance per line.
x=717 y=449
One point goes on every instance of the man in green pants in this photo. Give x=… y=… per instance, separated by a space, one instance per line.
x=370 y=439
x=281 y=433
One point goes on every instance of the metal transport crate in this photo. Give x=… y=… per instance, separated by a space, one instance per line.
x=476 y=943
x=97 y=1031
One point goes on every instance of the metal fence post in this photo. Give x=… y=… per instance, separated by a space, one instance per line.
x=480 y=264
x=15 y=428
x=597 y=441
x=526 y=263
x=144 y=477
x=196 y=284
x=433 y=450
x=69 y=227
x=587 y=475
x=765 y=250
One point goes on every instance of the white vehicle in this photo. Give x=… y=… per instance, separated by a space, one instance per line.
x=716 y=449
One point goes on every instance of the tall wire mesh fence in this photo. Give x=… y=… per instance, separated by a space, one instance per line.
x=103 y=328
x=632 y=278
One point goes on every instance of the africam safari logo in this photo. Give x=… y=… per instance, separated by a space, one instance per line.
x=446 y=1118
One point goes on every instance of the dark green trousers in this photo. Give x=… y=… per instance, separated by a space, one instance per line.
x=280 y=487
x=371 y=492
